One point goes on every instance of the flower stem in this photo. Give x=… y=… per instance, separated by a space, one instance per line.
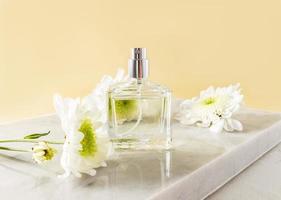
x=13 y=149
x=30 y=141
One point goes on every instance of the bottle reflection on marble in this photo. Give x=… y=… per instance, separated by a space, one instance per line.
x=166 y=164
x=143 y=170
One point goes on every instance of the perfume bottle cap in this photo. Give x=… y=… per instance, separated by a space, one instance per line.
x=138 y=63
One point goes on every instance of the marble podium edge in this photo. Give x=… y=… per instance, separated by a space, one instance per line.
x=210 y=177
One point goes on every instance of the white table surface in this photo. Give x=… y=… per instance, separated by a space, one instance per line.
x=146 y=175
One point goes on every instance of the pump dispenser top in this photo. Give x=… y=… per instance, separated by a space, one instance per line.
x=138 y=64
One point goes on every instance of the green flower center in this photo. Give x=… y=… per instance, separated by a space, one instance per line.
x=125 y=109
x=89 y=143
x=209 y=101
x=49 y=153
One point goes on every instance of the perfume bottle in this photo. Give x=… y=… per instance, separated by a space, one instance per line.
x=139 y=111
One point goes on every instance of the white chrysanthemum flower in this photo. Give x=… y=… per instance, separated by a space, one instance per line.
x=126 y=110
x=85 y=146
x=107 y=81
x=42 y=152
x=213 y=108
x=100 y=92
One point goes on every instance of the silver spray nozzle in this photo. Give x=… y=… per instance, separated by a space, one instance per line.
x=138 y=63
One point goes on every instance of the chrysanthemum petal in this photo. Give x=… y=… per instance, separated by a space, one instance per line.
x=217 y=127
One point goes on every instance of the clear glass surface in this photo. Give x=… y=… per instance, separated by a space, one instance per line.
x=139 y=115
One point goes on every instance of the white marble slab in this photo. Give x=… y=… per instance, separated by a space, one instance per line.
x=199 y=164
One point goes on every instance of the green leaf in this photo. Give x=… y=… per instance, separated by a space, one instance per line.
x=36 y=135
x=5 y=148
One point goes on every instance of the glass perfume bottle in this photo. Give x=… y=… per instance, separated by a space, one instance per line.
x=139 y=111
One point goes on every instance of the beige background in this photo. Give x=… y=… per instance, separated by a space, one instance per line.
x=66 y=46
